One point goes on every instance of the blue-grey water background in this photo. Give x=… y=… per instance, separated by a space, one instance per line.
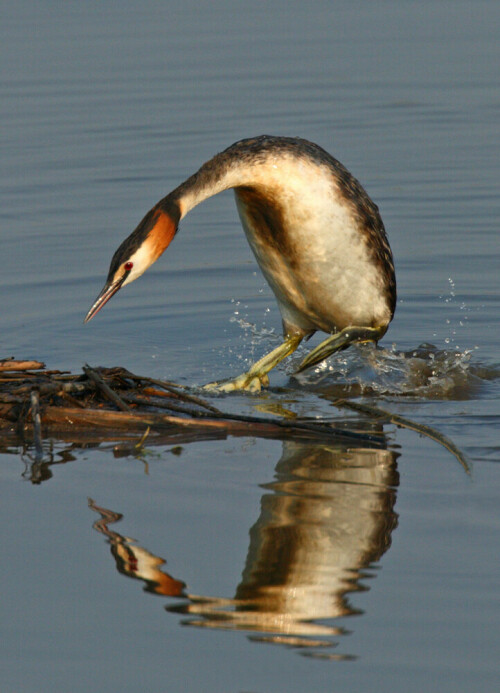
x=105 y=107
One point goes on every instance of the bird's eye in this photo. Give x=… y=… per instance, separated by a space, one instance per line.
x=128 y=266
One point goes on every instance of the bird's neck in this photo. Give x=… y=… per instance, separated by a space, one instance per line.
x=210 y=180
x=275 y=175
x=160 y=225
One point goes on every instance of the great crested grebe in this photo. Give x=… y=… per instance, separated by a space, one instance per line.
x=317 y=236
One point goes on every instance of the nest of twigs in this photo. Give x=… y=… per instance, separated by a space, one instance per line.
x=113 y=403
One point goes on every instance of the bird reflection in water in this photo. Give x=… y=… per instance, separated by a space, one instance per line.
x=133 y=560
x=324 y=520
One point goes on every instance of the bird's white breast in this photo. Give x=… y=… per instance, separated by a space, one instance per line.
x=320 y=267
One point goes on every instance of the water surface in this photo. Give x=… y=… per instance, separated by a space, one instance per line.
x=247 y=564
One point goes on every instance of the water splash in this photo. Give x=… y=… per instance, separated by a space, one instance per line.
x=256 y=339
x=425 y=372
x=457 y=318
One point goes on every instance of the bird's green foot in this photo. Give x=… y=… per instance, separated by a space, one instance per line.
x=338 y=342
x=246 y=381
x=256 y=377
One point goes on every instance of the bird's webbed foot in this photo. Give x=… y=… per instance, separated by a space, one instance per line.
x=248 y=382
x=256 y=377
x=340 y=341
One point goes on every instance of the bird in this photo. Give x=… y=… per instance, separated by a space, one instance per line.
x=317 y=236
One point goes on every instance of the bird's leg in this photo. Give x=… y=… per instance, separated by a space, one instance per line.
x=256 y=376
x=338 y=342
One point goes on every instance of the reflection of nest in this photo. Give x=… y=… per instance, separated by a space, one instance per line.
x=106 y=403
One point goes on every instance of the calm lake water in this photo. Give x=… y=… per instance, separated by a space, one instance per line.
x=296 y=567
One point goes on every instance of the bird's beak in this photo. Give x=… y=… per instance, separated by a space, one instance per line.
x=110 y=289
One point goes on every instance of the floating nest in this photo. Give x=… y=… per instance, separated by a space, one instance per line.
x=106 y=403
x=103 y=404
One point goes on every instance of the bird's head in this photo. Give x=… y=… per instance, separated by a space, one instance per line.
x=138 y=252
